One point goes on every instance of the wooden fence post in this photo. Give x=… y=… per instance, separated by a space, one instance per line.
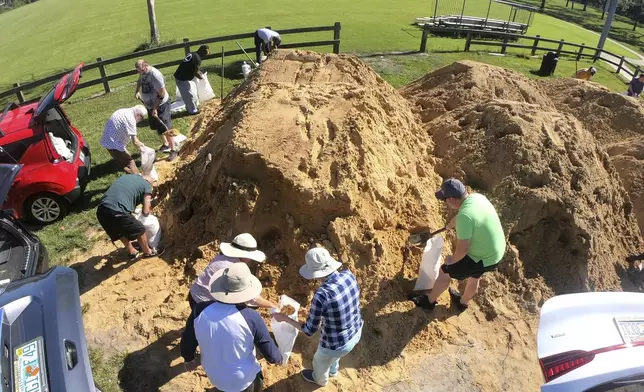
x=223 y=53
x=581 y=49
x=186 y=45
x=504 y=47
x=19 y=94
x=561 y=44
x=336 y=37
x=621 y=64
x=423 y=40
x=468 y=41
x=535 y=45
x=101 y=69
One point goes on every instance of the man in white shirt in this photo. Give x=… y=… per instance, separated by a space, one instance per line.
x=119 y=129
x=150 y=88
x=265 y=41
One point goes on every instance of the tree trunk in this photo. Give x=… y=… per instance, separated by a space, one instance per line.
x=635 y=25
x=585 y=5
x=543 y=4
x=152 y=16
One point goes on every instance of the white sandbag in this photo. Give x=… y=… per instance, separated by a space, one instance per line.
x=178 y=140
x=204 y=89
x=152 y=228
x=61 y=147
x=430 y=264
x=285 y=333
x=177 y=107
x=177 y=96
x=148 y=155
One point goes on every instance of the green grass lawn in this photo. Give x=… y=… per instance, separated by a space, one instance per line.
x=69 y=32
x=622 y=27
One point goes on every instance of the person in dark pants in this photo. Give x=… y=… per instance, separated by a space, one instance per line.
x=188 y=70
x=115 y=209
x=636 y=86
x=228 y=332
x=265 y=41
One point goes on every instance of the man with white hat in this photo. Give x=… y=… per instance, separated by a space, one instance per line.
x=337 y=302
x=228 y=332
x=242 y=249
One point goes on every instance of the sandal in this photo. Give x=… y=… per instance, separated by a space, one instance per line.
x=156 y=252
x=133 y=256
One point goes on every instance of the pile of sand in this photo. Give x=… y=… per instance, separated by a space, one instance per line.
x=467 y=82
x=318 y=149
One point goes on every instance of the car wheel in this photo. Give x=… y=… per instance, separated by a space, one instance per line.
x=45 y=208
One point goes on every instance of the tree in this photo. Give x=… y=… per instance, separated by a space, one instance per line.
x=543 y=4
x=152 y=16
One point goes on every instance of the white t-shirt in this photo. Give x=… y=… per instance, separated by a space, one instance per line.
x=119 y=129
x=266 y=35
x=151 y=83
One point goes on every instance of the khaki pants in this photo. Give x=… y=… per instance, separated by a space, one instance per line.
x=124 y=161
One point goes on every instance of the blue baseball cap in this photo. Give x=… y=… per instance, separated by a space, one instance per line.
x=451 y=188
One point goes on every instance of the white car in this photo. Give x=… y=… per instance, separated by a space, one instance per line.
x=592 y=342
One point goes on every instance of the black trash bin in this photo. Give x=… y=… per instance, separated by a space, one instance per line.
x=548 y=64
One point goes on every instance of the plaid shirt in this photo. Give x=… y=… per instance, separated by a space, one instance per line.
x=337 y=301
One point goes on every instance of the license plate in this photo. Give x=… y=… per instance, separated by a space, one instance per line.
x=29 y=367
x=631 y=329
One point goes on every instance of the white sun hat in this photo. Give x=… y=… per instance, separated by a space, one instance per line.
x=235 y=284
x=243 y=246
x=319 y=264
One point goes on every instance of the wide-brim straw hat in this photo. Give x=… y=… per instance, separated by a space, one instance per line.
x=243 y=246
x=319 y=264
x=235 y=284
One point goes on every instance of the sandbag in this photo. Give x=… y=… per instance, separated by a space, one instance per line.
x=204 y=89
x=430 y=264
x=178 y=140
x=148 y=155
x=152 y=228
x=61 y=147
x=285 y=333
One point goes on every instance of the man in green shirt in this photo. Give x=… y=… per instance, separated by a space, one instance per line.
x=115 y=211
x=480 y=244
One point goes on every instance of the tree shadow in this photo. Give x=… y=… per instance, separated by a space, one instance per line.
x=91 y=275
x=232 y=71
x=148 y=369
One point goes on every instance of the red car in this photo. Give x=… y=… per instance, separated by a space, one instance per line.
x=55 y=157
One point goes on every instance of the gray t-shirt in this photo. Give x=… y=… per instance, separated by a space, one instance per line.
x=151 y=83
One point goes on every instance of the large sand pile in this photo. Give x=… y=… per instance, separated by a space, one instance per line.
x=318 y=149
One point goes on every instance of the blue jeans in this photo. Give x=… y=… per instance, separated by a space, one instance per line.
x=327 y=361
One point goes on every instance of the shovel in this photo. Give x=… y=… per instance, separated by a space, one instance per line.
x=421 y=238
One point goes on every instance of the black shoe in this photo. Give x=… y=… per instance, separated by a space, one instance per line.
x=133 y=256
x=422 y=301
x=173 y=155
x=164 y=148
x=455 y=296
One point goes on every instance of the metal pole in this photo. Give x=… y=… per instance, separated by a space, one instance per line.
x=435 y=10
x=607 y=25
x=488 y=12
x=222 y=72
x=462 y=11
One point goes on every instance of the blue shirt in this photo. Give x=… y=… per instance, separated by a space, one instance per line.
x=337 y=304
x=228 y=335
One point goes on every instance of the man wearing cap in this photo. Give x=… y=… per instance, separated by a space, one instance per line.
x=242 y=249
x=337 y=302
x=228 y=332
x=480 y=244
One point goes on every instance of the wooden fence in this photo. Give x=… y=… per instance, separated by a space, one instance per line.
x=579 y=51
x=100 y=64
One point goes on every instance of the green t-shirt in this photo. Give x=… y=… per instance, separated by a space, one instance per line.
x=126 y=193
x=478 y=222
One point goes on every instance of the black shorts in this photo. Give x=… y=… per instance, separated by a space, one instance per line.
x=467 y=268
x=118 y=225
x=162 y=123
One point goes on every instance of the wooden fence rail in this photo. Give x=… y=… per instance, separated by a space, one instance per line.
x=105 y=78
x=563 y=47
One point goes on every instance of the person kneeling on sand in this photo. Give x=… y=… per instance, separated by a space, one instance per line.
x=228 y=332
x=242 y=249
x=480 y=245
x=120 y=128
x=337 y=302
x=115 y=210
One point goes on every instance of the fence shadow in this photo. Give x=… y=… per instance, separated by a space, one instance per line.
x=232 y=71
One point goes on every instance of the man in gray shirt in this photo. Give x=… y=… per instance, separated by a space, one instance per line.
x=150 y=89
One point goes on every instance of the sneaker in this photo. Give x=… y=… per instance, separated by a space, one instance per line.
x=455 y=297
x=156 y=252
x=173 y=155
x=333 y=374
x=422 y=301
x=194 y=113
x=307 y=374
x=164 y=148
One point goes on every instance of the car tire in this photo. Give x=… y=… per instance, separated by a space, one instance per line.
x=45 y=208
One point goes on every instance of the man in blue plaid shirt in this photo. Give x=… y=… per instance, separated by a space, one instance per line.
x=337 y=302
